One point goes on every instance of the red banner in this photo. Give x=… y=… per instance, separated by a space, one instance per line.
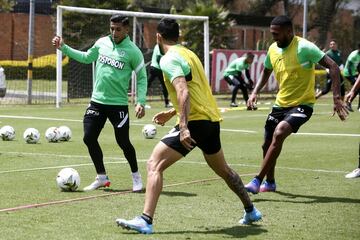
x=221 y=59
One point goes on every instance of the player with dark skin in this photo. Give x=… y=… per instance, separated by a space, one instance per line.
x=283 y=35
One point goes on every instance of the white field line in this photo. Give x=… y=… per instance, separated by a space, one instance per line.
x=222 y=129
x=123 y=161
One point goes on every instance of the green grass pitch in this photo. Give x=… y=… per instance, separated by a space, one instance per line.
x=313 y=201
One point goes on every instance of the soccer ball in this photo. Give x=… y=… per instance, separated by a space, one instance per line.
x=149 y=131
x=68 y=179
x=52 y=134
x=65 y=133
x=31 y=135
x=7 y=133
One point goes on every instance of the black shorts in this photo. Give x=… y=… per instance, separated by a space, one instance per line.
x=295 y=116
x=96 y=115
x=204 y=132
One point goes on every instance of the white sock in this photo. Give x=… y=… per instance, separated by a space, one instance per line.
x=102 y=177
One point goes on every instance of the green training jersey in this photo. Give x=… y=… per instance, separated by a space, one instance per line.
x=156 y=56
x=236 y=66
x=294 y=69
x=114 y=66
x=335 y=55
x=351 y=64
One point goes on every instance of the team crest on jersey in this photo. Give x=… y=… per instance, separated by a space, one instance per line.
x=112 y=62
x=121 y=53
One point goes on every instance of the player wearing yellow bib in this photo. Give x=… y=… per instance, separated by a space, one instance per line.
x=198 y=125
x=292 y=59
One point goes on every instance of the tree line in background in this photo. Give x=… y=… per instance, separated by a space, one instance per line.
x=323 y=16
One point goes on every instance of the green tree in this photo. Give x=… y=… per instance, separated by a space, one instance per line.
x=192 y=32
x=322 y=17
x=82 y=30
x=6 y=5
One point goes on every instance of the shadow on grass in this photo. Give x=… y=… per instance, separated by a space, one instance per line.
x=167 y=193
x=299 y=198
x=178 y=194
x=234 y=232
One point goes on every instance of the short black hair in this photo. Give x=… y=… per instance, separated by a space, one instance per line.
x=169 y=29
x=118 y=18
x=249 y=55
x=359 y=45
x=282 y=20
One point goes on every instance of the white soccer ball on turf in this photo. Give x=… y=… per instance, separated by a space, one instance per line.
x=31 y=135
x=52 y=134
x=65 y=133
x=149 y=131
x=68 y=179
x=7 y=133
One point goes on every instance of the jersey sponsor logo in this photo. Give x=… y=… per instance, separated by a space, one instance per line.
x=112 y=62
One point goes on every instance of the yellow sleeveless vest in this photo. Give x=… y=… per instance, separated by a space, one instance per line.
x=296 y=83
x=203 y=105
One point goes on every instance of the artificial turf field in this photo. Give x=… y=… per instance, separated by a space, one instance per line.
x=313 y=199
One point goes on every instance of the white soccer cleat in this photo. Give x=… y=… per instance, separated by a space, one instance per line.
x=353 y=174
x=99 y=182
x=137 y=182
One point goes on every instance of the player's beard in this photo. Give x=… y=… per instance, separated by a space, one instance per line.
x=161 y=48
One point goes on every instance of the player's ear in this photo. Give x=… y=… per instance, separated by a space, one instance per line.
x=158 y=36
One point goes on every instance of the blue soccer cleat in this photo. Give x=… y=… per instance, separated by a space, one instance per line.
x=268 y=187
x=253 y=186
x=253 y=216
x=137 y=224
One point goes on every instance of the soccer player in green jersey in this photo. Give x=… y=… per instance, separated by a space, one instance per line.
x=116 y=57
x=351 y=70
x=198 y=125
x=335 y=55
x=234 y=77
x=292 y=59
x=156 y=73
x=355 y=90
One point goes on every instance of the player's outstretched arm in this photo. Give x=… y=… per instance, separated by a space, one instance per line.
x=259 y=85
x=162 y=117
x=334 y=71
x=57 y=42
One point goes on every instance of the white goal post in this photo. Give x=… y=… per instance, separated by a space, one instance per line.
x=135 y=15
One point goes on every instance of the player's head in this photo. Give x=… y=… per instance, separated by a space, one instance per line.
x=249 y=57
x=333 y=45
x=168 y=29
x=281 y=28
x=167 y=33
x=119 y=27
x=358 y=46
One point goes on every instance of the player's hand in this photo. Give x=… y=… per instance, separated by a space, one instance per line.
x=349 y=97
x=57 y=41
x=340 y=109
x=162 y=117
x=186 y=139
x=139 y=110
x=251 y=102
